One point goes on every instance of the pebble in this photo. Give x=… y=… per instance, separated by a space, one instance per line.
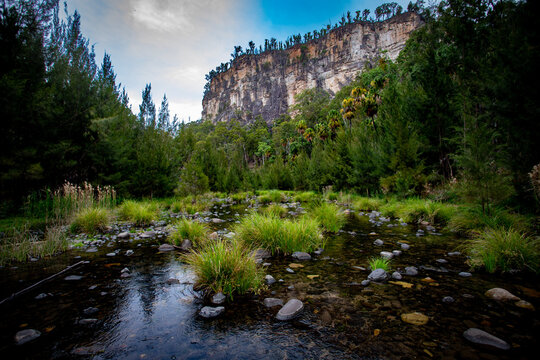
x=396 y=252
x=501 y=295
x=289 y=270
x=300 y=255
x=217 y=221
x=271 y=302
x=377 y=275
x=165 y=247
x=478 y=336
x=111 y=254
x=396 y=275
x=454 y=253
x=405 y=246
x=415 y=318
x=290 y=287
x=319 y=251
x=218 y=298
x=387 y=255
x=411 y=271
x=290 y=310
x=26 y=335
x=210 y=312
x=448 y=299
x=365 y=282
x=270 y=279
x=378 y=242
x=73 y=277
x=123 y=235
x=129 y=252
x=465 y=274
x=41 y=296
x=87 y=321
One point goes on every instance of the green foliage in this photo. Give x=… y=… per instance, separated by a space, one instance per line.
x=139 y=213
x=90 y=220
x=226 y=267
x=417 y=210
x=471 y=220
x=193 y=181
x=379 y=263
x=307 y=197
x=274 y=210
x=194 y=231
x=330 y=216
x=500 y=249
x=367 y=204
x=278 y=235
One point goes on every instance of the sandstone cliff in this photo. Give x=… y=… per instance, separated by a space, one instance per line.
x=266 y=84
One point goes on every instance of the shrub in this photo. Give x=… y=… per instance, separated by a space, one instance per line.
x=90 y=220
x=329 y=216
x=279 y=235
x=192 y=230
x=139 y=213
x=502 y=250
x=226 y=267
x=379 y=263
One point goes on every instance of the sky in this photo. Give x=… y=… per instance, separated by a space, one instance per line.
x=172 y=44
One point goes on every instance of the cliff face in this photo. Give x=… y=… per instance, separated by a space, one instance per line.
x=266 y=84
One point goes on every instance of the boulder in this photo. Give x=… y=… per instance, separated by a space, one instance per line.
x=500 y=294
x=478 y=336
x=290 y=310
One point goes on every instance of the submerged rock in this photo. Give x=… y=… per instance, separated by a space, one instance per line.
x=501 y=295
x=405 y=246
x=465 y=274
x=448 y=299
x=210 y=312
x=377 y=275
x=87 y=321
x=73 y=277
x=415 y=318
x=290 y=310
x=378 y=242
x=396 y=275
x=271 y=302
x=411 y=271
x=218 y=298
x=478 y=336
x=166 y=247
x=26 y=335
x=387 y=255
x=269 y=279
x=299 y=255
x=90 y=310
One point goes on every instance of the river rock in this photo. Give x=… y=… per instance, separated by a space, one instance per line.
x=271 y=302
x=478 y=336
x=218 y=298
x=210 y=312
x=269 y=279
x=415 y=318
x=377 y=275
x=92 y=249
x=90 y=310
x=111 y=254
x=387 y=255
x=290 y=310
x=166 y=247
x=396 y=252
x=217 y=221
x=129 y=252
x=148 y=235
x=525 y=305
x=405 y=246
x=300 y=255
x=465 y=274
x=26 y=335
x=411 y=271
x=87 y=321
x=501 y=295
x=319 y=251
x=448 y=300
x=123 y=235
x=454 y=253
x=378 y=242
x=213 y=236
x=73 y=277
x=261 y=254
x=289 y=270
x=186 y=245
x=396 y=275
x=365 y=282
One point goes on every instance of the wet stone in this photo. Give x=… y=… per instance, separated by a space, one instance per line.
x=405 y=246
x=299 y=255
x=481 y=337
x=378 y=242
x=73 y=277
x=172 y=281
x=41 y=296
x=211 y=312
x=448 y=300
x=290 y=310
x=442 y=261
x=111 y=254
x=271 y=302
x=396 y=275
x=387 y=255
x=289 y=270
x=92 y=249
x=129 y=252
x=218 y=298
x=269 y=279
x=165 y=247
x=465 y=274
x=411 y=271
x=501 y=295
x=365 y=282
x=525 y=305
x=377 y=275
x=396 y=252
x=454 y=253
x=87 y=321
x=90 y=310
x=26 y=335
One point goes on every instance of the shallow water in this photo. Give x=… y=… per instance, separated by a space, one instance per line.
x=143 y=316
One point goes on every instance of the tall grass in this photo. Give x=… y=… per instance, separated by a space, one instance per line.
x=415 y=210
x=90 y=220
x=500 y=249
x=274 y=210
x=367 y=203
x=190 y=206
x=194 y=231
x=471 y=220
x=268 y=196
x=277 y=235
x=139 y=213
x=226 y=267
x=307 y=197
x=329 y=216
x=379 y=263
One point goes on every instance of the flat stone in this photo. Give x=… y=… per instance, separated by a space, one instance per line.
x=396 y=275
x=405 y=246
x=41 y=296
x=172 y=281
x=26 y=335
x=442 y=261
x=148 y=235
x=299 y=255
x=217 y=221
x=271 y=302
x=111 y=254
x=525 y=305
x=377 y=275
x=73 y=277
x=386 y=255
x=124 y=235
x=295 y=266
x=454 y=253
x=478 y=336
x=500 y=294
x=411 y=271
x=92 y=250
x=87 y=321
x=129 y=252
x=90 y=310
x=165 y=247
x=218 y=298
x=210 y=312
x=269 y=279
x=290 y=310
x=465 y=274
x=415 y=318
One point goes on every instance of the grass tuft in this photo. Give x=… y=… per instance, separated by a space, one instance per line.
x=188 y=229
x=379 y=263
x=329 y=216
x=226 y=267
x=274 y=210
x=139 y=213
x=90 y=220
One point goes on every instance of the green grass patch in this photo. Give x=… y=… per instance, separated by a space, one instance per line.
x=190 y=206
x=307 y=197
x=269 y=196
x=416 y=210
x=471 y=220
x=278 y=235
x=274 y=210
x=188 y=229
x=139 y=213
x=501 y=249
x=227 y=267
x=90 y=220
x=329 y=216
x=367 y=203
x=379 y=263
